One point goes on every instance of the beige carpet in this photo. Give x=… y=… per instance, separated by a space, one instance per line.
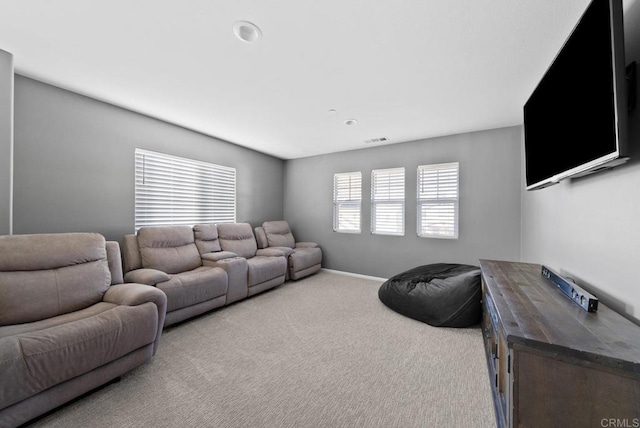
x=319 y=352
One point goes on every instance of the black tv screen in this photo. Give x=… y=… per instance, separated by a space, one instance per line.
x=575 y=119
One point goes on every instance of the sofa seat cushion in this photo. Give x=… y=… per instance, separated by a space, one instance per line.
x=263 y=268
x=193 y=287
x=303 y=258
x=33 y=361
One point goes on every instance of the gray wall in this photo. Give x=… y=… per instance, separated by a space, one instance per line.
x=489 y=203
x=6 y=140
x=74 y=163
x=589 y=228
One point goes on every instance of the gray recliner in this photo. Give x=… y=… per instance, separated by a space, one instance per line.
x=267 y=268
x=303 y=258
x=168 y=258
x=67 y=323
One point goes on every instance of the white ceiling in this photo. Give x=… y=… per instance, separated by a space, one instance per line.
x=405 y=69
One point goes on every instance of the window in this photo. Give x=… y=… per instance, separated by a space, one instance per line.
x=387 y=201
x=438 y=200
x=347 y=199
x=177 y=191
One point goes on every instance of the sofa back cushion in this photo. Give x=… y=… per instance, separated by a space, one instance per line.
x=170 y=249
x=206 y=236
x=46 y=275
x=238 y=238
x=279 y=234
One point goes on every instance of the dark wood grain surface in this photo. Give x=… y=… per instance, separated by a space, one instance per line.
x=535 y=313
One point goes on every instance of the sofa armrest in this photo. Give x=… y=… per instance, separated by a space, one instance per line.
x=146 y=276
x=306 y=245
x=131 y=259
x=286 y=251
x=218 y=255
x=133 y=294
x=115 y=262
x=269 y=252
x=261 y=238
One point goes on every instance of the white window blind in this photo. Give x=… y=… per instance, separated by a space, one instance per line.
x=347 y=200
x=438 y=200
x=387 y=201
x=170 y=190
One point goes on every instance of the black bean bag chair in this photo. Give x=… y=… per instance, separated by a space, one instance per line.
x=439 y=294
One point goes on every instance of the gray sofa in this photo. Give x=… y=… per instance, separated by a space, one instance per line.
x=303 y=258
x=207 y=266
x=167 y=257
x=266 y=268
x=67 y=323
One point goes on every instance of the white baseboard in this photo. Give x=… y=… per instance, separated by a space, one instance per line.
x=357 y=275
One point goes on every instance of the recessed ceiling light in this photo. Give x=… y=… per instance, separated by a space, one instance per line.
x=350 y=122
x=332 y=110
x=246 y=31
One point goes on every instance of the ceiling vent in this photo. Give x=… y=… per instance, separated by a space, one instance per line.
x=377 y=140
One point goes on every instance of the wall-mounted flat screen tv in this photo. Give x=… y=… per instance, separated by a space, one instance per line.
x=575 y=121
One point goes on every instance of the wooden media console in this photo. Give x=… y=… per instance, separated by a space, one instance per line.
x=551 y=363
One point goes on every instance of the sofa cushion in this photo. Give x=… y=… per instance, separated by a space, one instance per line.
x=193 y=287
x=206 y=236
x=303 y=258
x=50 y=250
x=37 y=360
x=238 y=238
x=279 y=234
x=171 y=249
x=45 y=275
x=15 y=329
x=263 y=268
